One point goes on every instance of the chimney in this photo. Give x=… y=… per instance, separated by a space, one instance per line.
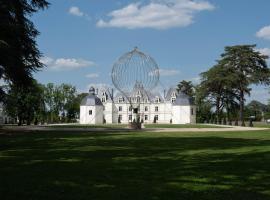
x=164 y=94
x=112 y=94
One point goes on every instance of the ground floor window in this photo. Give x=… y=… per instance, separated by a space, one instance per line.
x=119 y=118
x=145 y=117
x=156 y=117
x=90 y=112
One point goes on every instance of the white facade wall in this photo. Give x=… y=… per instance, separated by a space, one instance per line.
x=183 y=114
x=96 y=116
x=167 y=113
x=111 y=112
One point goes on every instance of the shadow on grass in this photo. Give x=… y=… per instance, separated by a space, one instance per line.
x=133 y=166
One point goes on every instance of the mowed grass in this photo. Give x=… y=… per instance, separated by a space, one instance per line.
x=119 y=126
x=182 y=126
x=135 y=165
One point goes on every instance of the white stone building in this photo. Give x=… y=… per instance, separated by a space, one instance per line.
x=105 y=107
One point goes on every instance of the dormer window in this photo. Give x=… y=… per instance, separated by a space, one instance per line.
x=173 y=94
x=120 y=100
x=157 y=100
x=173 y=99
x=103 y=99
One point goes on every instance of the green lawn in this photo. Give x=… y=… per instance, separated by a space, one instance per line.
x=182 y=126
x=139 y=165
x=117 y=126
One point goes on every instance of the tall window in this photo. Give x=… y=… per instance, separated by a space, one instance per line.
x=192 y=111
x=145 y=117
x=129 y=108
x=119 y=118
x=130 y=117
x=146 y=108
x=90 y=112
x=156 y=116
x=120 y=108
x=156 y=109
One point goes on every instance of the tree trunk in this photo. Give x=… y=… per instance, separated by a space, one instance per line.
x=20 y=121
x=241 y=114
x=217 y=109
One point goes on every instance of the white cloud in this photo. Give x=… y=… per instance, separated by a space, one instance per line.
x=195 y=80
x=264 y=33
x=168 y=72
x=93 y=75
x=62 y=64
x=76 y=11
x=162 y=14
x=265 y=51
x=164 y=72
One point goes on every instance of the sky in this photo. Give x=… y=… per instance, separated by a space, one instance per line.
x=81 y=39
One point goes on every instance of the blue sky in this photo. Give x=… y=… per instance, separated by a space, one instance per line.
x=81 y=39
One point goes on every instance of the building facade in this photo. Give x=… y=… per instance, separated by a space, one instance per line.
x=104 y=107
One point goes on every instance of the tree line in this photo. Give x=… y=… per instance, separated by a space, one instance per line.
x=39 y=103
x=220 y=96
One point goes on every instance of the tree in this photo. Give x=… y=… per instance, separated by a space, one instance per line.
x=204 y=106
x=19 y=55
x=186 y=87
x=249 y=67
x=25 y=102
x=218 y=86
x=257 y=109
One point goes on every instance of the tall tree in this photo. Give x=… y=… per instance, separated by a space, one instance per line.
x=249 y=66
x=218 y=85
x=186 y=87
x=19 y=55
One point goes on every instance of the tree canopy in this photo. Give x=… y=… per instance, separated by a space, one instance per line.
x=19 y=54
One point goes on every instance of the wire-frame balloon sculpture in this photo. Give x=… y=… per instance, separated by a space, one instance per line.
x=135 y=75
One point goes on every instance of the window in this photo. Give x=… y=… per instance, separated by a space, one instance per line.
x=90 y=112
x=130 y=117
x=157 y=100
x=103 y=99
x=120 y=100
x=173 y=100
x=156 y=117
x=129 y=108
x=145 y=108
x=192 y=111
x=145 y=117
x=120 y=108
x=119 y=118
x=156 y=109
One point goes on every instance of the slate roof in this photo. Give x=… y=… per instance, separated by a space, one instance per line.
x=183 y=100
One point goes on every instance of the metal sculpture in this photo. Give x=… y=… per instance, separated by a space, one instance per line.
x=135 y=69
x=134 y=75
